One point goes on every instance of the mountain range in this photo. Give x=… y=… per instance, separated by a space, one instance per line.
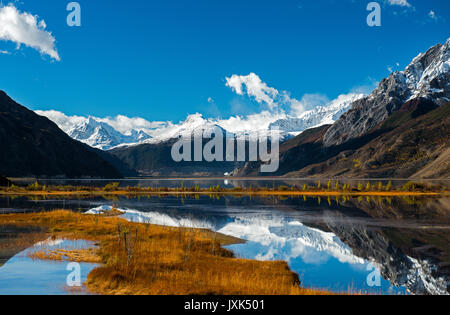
x=399 y=130
x=101 y=134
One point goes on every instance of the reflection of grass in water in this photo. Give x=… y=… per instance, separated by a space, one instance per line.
x=333 y=187
x=14 y=240
x=148 y=259
x=89 y=255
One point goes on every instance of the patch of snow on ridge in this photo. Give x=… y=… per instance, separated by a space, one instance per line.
x=419 y=76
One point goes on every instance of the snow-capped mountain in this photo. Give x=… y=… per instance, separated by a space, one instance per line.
x=427 y=76
x=102 y=136
x=319 y=116
x=194 y=124
x=103 y=133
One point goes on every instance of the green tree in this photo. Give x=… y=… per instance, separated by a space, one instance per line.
x=389 y=186
x=380 y=186
x=360 y=187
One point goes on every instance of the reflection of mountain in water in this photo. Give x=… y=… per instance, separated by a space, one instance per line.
x=417 y=276
x=272 y=235
x=15 y=239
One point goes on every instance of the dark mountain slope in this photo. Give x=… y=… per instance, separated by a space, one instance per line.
x=295 y=154
x=396 y=131
x=156 y=160
x=406 y=145
x=34 y=146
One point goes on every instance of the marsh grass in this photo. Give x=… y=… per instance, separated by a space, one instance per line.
x=333 y=187
x=147 y=259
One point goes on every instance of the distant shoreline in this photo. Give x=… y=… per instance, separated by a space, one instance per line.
x=229 y=193
x=219 y=178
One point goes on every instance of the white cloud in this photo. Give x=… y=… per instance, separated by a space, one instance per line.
x=308 y=102
x=254 y=122
x=26 y=29
x=124 y=124
x=121 y=123
x=280 y=104
x=402 y=3
x=432 y=15
x=254 y=87
x=63 y=121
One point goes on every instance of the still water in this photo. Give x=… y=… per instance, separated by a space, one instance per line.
x=382 y=246
x=22 y=275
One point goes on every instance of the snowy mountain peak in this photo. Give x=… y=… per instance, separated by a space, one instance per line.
x=319 y=116
x=427 y=76
x=102 y=136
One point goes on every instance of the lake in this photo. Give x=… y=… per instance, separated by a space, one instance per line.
x=368 y=245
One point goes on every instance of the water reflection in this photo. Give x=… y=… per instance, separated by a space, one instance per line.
x=321 y=258
x=332 y=244
x=21 y=275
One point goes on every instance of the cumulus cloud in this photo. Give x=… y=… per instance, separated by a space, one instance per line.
x=280 y=103
x=23 y=28
x=254 y=87
x=121 y=123
x=402 y=3
x=253 y=122
x=62 y=120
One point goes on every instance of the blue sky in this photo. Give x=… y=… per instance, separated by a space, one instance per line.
x=162 y=60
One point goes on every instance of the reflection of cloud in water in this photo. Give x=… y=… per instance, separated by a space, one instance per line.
x=269 y=237
x=155 y=218
x=278 y=238
x=321 y=256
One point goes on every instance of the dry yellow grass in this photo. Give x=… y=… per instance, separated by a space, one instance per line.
x=89 y=255
x=311 y=193
x=146 y=259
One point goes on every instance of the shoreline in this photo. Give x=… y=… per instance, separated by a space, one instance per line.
x=143 y=259
x=228 y=193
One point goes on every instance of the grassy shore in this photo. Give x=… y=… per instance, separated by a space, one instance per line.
x=147 y=259
x=329 y=189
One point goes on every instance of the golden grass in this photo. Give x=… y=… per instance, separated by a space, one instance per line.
x=89 y=255
x=147 y=259
x=312 y=193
